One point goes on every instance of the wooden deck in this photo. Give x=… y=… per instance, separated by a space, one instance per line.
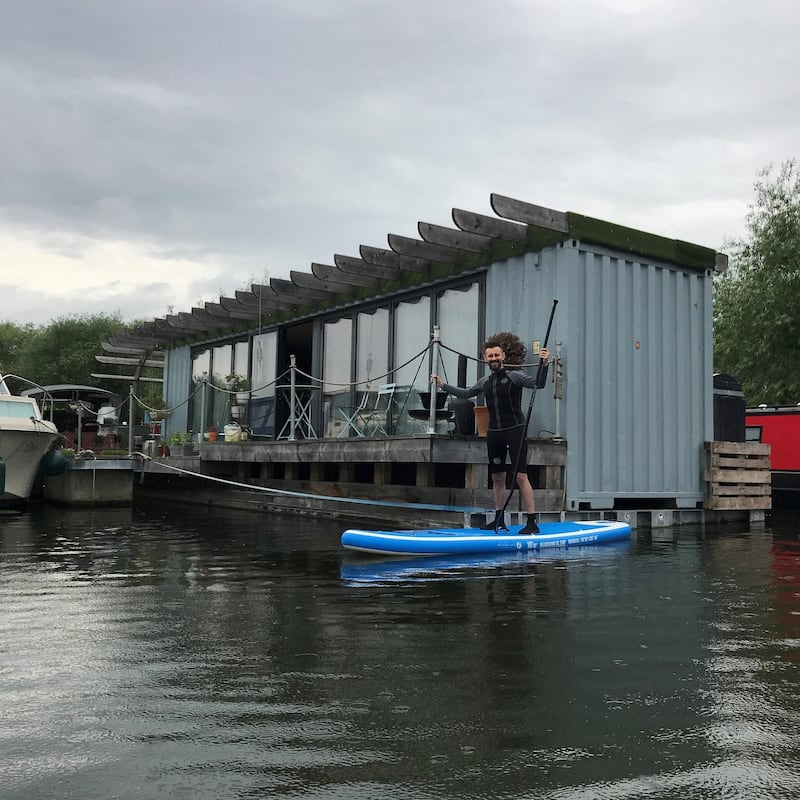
x=432 y=470
x=367 y=476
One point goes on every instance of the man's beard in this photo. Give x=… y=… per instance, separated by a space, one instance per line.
x=495 y=366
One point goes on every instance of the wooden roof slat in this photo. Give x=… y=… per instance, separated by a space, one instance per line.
x=326 y=272
x=360 y=267
x=406 y=246
x=156 y=329
x=217 y=310
x=263 y=296
x=132 y=351
x=211 y=320
x=528 y=213
x=241 y=311
x=149 y=362
x=128 y=378
x=490 y=226
x=304 y=295
x=149 y=340
x=379 y=257
x=453 y=238
x=189 y=318
x=187 y=326
x=307 y=281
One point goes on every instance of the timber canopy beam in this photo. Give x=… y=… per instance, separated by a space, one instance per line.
x=477 y=240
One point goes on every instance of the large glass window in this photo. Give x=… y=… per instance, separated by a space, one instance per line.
x=372 y=349
x=457 y=317
x=337 y=361
x=263 y=372
x=221 y=365
x=412 y=333
x=337 y=356
x=201 y=367
x=241 y=352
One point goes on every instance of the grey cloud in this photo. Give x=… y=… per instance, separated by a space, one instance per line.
x=277 y=133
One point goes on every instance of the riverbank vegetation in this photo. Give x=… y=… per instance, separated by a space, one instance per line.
x=63 y=351
x=756 y=308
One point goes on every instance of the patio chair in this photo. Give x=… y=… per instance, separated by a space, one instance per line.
x=351 y=416
x=377 y=420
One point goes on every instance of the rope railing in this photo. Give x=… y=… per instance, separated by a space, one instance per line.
x=290 y=379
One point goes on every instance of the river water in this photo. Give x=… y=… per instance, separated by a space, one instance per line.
x=181 y=653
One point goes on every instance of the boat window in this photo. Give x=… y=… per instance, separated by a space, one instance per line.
x=20 y=410
x=752 y=433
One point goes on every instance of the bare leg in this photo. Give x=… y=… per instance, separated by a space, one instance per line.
x=526 y=492
x=499 y=489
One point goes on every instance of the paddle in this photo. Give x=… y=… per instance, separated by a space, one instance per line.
x=539 y=378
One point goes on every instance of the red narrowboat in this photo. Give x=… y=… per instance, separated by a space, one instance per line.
x=779 y=427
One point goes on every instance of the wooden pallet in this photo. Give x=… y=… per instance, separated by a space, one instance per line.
x=738 y=476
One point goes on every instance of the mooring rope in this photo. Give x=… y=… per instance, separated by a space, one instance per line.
x=308 y=495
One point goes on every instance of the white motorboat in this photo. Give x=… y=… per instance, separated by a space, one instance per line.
x=25 y=438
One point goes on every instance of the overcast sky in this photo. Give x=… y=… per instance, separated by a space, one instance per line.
x=160 y=153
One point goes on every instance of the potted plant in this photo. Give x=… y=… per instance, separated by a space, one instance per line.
x=213 y=433
x=181 y=443
x=239 y=385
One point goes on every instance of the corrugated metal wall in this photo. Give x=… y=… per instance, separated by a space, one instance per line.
x=637 y=363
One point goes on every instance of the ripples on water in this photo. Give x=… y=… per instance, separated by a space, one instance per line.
x=234 y=655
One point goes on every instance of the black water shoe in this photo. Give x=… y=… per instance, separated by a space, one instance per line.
x=497 y=524
x=530 y=529
x=496 y=527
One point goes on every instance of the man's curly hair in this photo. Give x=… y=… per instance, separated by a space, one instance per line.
x=512 y=346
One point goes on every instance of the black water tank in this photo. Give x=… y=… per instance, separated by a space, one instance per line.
x=729 y=409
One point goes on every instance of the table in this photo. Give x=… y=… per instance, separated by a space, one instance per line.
x=299 y=424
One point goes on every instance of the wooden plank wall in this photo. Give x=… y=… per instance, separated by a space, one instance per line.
x=738 y=476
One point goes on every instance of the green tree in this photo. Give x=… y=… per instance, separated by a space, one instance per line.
x=756 y=309
x=12 y=340
x=64 y=351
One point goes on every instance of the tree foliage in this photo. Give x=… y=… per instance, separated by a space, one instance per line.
x=12 y=338
x=61 y=352
x=756 y=308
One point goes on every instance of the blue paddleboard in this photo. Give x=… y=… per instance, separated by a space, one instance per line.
x=447 y=541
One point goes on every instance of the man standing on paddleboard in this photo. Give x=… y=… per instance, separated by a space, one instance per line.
x=507 y=434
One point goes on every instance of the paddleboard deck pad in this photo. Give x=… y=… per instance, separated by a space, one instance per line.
x=447 y=541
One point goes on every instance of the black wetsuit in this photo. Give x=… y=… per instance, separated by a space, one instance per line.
x=506 y=435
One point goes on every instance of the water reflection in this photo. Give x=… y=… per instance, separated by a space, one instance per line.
x=187 y=652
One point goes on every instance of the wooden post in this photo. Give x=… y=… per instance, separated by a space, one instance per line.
x=383 y=473
x=424 y=474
